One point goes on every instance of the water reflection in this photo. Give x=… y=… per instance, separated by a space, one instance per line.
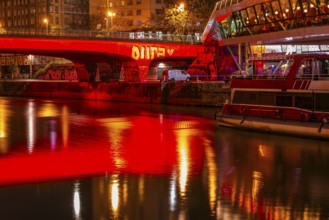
x=112 y=162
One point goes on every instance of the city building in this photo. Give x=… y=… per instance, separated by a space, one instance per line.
x=123 y=15
x=51 y=15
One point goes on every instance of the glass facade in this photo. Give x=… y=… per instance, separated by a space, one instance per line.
x=270 y=16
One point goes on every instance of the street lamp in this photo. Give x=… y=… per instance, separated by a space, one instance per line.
x=46 y=22
x=111 y=15
x=30 y=57
x=181 y=7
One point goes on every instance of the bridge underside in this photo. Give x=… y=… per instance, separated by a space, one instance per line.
x=269 y=22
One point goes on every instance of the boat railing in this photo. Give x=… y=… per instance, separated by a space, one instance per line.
x=259 y=77
x=282 y=113
x=312 y=77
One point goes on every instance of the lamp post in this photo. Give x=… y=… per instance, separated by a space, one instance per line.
x=111 y=15
x=181 y=7
x=31 y=63
x=46 y=22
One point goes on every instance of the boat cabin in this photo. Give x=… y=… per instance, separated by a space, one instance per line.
x=299 y=67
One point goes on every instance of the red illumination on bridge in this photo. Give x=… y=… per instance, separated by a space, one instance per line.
x=86 y=53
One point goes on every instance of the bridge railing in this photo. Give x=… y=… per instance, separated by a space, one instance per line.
x=193 y=38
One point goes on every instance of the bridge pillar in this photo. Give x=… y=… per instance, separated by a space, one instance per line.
x=135 y=70
x=86 y=71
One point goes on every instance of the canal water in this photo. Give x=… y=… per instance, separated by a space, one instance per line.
x=70 y=159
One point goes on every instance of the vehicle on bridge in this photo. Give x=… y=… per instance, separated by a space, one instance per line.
x=286 y=95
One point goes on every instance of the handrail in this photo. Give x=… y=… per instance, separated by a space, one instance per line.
x=194 y=38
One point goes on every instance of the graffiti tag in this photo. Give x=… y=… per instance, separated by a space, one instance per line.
x=150 y=53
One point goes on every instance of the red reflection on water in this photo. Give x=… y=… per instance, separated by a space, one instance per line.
x=138 y=144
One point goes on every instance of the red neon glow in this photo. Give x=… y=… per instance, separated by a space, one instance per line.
x=140 y=144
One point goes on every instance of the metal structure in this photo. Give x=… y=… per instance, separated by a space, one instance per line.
x=268 y=22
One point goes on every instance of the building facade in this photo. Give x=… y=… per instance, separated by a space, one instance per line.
x=124 y=15
x=44 y=14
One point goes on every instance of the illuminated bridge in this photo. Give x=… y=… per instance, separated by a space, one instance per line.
x=134 y=56
x=268 y=22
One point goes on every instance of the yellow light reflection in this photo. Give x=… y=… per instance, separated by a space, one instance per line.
x=114 y=194
x=4 y=115
x=116 y=127
x=183 y=136
x=212 y=175
x=65 y=125
x=30 y=114
x=141 y=184
x=257 y=184
x=48 y=110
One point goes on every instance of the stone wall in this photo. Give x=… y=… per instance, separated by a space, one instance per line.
x=179 y=93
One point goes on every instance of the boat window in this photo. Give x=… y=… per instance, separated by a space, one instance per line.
x=323 y=68
x=271 y=69
x=304 y=101
x=305 y=69
x=322 y=102
x=266 y=98
x=284 y=100
x=245 y=97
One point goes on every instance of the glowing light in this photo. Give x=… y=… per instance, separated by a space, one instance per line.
x=4 y=114
x=172 y=193
x=181 y=7
x=161 y=65
x=76 y=200
x=30 y=114
x=114 y=193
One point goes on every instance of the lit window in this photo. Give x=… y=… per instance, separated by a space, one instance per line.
x=122 y=3
x=111 y=4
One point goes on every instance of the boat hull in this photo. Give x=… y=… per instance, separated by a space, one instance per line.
x=296 y=128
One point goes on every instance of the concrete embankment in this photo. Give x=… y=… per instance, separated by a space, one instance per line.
x=179 y=93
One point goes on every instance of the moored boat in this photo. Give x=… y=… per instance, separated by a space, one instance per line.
x=282 y=94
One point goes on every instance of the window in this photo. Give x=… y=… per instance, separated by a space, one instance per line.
x=158 y=11
x=139 y=23
x=284 y=100
x=130 y=13
x=138 y=2
x=304 y=101
x=129 y=2
x=122 y=3
x=158 y=1
x=139 y=12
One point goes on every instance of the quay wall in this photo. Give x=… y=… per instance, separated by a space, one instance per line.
x=179 y=93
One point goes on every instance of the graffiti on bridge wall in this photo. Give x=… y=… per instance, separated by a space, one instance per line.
x=61 y=72
x=149 y=53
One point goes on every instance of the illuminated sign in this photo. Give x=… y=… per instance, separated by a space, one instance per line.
x=149 y=53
